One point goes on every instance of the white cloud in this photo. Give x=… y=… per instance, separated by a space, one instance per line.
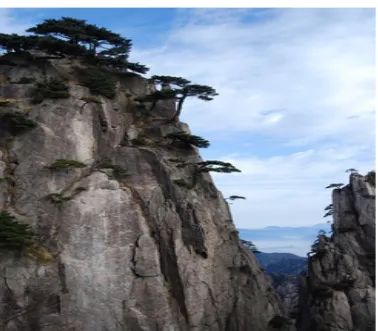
x=289 y=189
x=317 y=66
x=9 y=24
x=302 y=77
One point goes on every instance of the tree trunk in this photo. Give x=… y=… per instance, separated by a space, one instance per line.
x=179 y=108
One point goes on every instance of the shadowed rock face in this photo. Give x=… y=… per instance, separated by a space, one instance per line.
x=339 y=291
x=137 y=253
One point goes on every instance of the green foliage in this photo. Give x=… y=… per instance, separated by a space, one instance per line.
x=119 y=173
x=91 y=99
x=178 y=81
x=75 y=31
x=234 y=197
x=99 y=83
x=137 y=67
x=338 y=185
x=208 y=166
x=183 y=183
x=182 y=88
x=70 y=36
x=157 y=95
x=50 y=45
x=64 y=164
x=15 y=122
x=51 y=88
x=188 y=139
x=250 y=245
x=14 y=235
x=329 y=213
x=315 y=246
x=216 y=166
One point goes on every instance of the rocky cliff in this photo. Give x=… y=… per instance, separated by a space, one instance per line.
x=339 y=291
x=122 y=243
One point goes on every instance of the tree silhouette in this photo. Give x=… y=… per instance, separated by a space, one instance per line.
x=209 y=166
x=70 y=36
x=330 y=213
x=182 y=89
x=338 y=185
x=234 y=197
x=216 y=166
x=14 y=235
x=188 y=139
x=250 y=245
x=351 y=170
x=79 y=32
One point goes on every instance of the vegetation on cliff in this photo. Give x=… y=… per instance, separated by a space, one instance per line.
x=14 y=235
x=68 y=36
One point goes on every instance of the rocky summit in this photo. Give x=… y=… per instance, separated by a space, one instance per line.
x=338 y=293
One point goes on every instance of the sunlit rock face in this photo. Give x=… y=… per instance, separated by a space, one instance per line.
x=133 y=253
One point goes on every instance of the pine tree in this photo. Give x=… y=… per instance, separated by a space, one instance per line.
x=14 y=235
x=338 y=185
x=188 y=139
x=182 y=89
x=234 y=197
x=250 y=245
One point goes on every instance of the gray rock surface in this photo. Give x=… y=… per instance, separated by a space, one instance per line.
x=339 y=291
x=133 y=253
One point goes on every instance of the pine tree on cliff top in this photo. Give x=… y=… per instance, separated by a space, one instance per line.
x=182 y=88
x=70 y=36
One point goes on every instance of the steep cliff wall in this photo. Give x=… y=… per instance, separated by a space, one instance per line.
x=135 y=252
x=339 y=291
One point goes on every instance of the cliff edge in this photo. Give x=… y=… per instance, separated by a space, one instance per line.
x=123 y=243
x=339 y=291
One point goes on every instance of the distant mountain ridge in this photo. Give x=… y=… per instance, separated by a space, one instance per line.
x=276 y=239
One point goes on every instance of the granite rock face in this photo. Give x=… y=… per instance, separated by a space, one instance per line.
x=339 y=291
x=137 y=253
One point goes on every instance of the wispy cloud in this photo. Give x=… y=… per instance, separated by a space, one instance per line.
x=9 y=23
x=304 y=78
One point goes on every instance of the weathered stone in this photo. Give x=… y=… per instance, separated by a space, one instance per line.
x=146 y=258
x=339 y=291
x=140 y=253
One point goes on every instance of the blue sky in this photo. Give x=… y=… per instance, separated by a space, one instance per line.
x=297 y=94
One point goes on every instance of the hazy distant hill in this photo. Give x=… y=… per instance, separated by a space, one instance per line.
x=275 y=239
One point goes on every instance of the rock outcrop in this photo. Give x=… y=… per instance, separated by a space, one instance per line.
x=132 y=253
x=339 y=291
